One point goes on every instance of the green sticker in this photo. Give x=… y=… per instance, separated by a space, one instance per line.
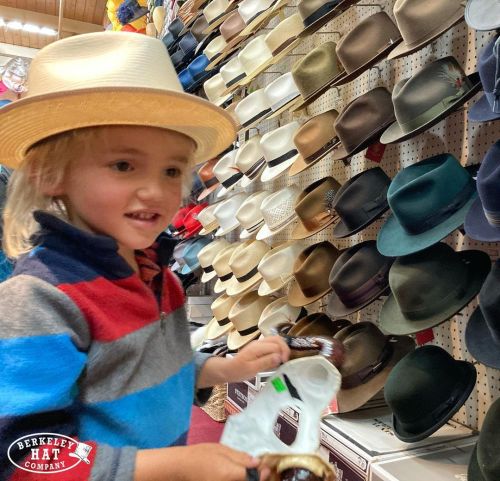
x=278 y=384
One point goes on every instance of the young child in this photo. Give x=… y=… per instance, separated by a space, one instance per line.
x=94 y=342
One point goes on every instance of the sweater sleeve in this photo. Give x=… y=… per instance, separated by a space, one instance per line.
x=43 y=343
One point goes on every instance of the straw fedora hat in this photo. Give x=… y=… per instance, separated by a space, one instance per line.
x=255 y=57
x=225 y=213
x=213 y=50
x=208 y=179
x=207 y=255
x=232 y=72
x=252 y=109
x=421 y=22
x=249 y=214
x=216 y=12
x=221 y=266
x=208 y=220
x=226 y=172
x=250 y=160
x=282 y=94
x=220 y=323
x=68 y=76
x=213 y=89
x=314 y=140
x=279 y=312
x=256 y=12
x=245 y=315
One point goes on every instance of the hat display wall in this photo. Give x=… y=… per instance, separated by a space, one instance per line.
x=245 y=315
x=221 y=266
x=276 y=267
x=314 y=208
x=225 y=213
x=359 y=276
x=483 y=218
x=430 y=286
x=226 y=172
x=488 y=106
x=207 y=255
x=425 y=389
x=429 y=200
x=250 y=160
x=232 y=72
x=213 y=90
x=220 y=323
x=314 y=140
x=482 y=14
x=428 y=97
x=278 y=211
x=207 y=177
x=366 y=44
x=215 y=13
x=362 y=121
x=255 y=57
x=279 y=150
x=208 y=220
x=249 y=214
x=420 y=23
x=190 y=255
x=281 y=93
x=361 y=201
x=252 y=109
x=311 y=271
x=279 y=312
x=244 y=264
x=369 y=358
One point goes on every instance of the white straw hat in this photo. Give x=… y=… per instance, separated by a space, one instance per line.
x=214 y=87
x=207 y=255
x=249 y=215
x=250 y=160
x=226 y=172
x=208 y=220
x=220 y=323
x=252 y=109
x=281 y=93
x=232 y=72
x=221 y=266
x=254 y=57
x=91 y=79
x=214 y=48
x=226 y=214
x=279 y=312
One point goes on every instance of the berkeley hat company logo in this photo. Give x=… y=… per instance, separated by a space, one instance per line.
x=44 y=453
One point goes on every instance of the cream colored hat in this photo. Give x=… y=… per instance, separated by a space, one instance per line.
x=95 y=75
x=278 y=211
x=151 y=30
x=255 y=57
x=159 y=17
x=227 y=173
x=245 y=315
x=256 y=12
x=214 y=49
x=226 y=214
x=244 y=264
x=249 y=215
x=232 y=72
x=220 y=323
x=276 y=266
x=252 y=109
x=213 y=88
x=208 y=220
x=283 y=38
x=281 y=93
x=221 y=266
x=279 y=312
x=279 y=150
x=250 y=160
x=215 y=13
x=207 y=255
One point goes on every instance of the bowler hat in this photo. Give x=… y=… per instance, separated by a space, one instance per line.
x=369 y=357
x=431 y=286
x=423 y=100
x=425 y=389
x=359 y=276
x=207 y=255
x=429 y=200
x=483 y=14
x=482 y=334
x=206 y=175
x=361 y=201
x=220 y=323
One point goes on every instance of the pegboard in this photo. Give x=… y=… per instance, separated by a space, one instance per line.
x=468 y=142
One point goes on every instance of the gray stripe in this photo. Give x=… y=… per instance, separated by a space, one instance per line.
x=113 y=464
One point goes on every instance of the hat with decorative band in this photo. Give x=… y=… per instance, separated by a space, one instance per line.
x=316 y=13
x=207 y=255
x=250 y=160
x=220 y=323
x=208 y=179
x=483 y=15
x=216 y=12
x=252 y=109
x=425 y=389
x=197 y=70
x=208 y=220
x=190 y=255
x=227 y=173
x=250 y=216
x=281 y=94
x=279 y=312
x=225 y=213
x=429 y=200
x=232 y=72
x=214 y=89
x=221 y=266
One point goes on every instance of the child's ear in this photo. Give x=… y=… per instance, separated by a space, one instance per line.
x=45 y=184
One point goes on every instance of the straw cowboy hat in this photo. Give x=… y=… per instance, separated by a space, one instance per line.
x=252 y=109
x=94 y=74
x=220 y=323
x=250 y=160
x=216 y=12
x=221 y=266
x=279 y=312
x=249 y=214
x=207 y=255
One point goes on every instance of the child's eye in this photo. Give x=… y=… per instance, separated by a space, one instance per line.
x=122 y=166
x=173 y=172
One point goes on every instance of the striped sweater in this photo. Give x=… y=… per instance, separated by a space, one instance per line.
x=92 y=350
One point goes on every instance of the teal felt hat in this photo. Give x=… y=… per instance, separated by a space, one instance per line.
x=429 y=200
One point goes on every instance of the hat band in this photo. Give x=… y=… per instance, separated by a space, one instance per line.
x=255 y=226
x=493 y=217
x=216 y=18
x=246 y=332
x=252 y=172
x=232 y=180
x=236 y=79
x=282 y=158
x=366 y=291
x=248 y=275
x=211 y=226
x=320 y=12
x=330 y=144
x=208 y=269
x=256 y=117
x=272 y=226
x=223 y=322
x=364 y=375
x=253 y=17
x=208 y=183
x=284 y=45
x=226 y=277
x=214 y=57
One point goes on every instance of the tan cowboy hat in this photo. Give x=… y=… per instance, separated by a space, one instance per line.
x=220 y=323
x=95 y=75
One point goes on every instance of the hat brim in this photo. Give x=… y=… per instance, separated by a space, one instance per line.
x=26 y=121
x=222 y=55
x=351 y=399
x=393 y=240
x=480 y=342
x=297 y=298
x=286 y=106
x=212 y=26
x=484 y=22
x=206 y=192
x=468 y=381
x=220 y=232
x=208 y=276
x=245 y=234
x=214 y=330
x=300 y=231
x=233 y=44
x=237 y=341
x=262 y=116
x=220 y=286
x=208 y=230
x=265 y=232
x=341 y=230
x=395 y=134
x=265 y=289
x=236 y=288
x=266 y=15
x=246 y=181
x=392 y=320
x=477 y=226
x=481 y=111
x=186 y=269
x=300 y=164
x=337 y=308
x=271 y=173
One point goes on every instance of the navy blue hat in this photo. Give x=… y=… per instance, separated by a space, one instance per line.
x=483 y=219
x=488 y=106
x=188 y=43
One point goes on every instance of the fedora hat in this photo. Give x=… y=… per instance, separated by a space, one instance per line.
x=279 y=150
x=278 y=212
x=369 y=357
x=256 y=12
x=197 y=29
x=279 y=312
x=220 y=323
x=361 y=201
x=314 y=140
x=428 y=97
x=316 y=72
x=429 y=200
x=221 y=267
x=488 y=106
x=281 y=94
x=311 y=270
x=250 y=160
x=255 y=57
x=207 y=177
x=430 y=286
x=230 y=29
x=192 y=225
x=190 y=255
x=425 y=389
x=249 y=214
x=420 y=23
x=232 y=72
x=213 y=90
x=276 y=267
x=245 y=315
x=252 y=109
x=227 y=173
x=244 y=264
x=482 y=333
x=206 y=256
x=482 y=14
x=86 y=92
x=186 y=79
x=196 y=69
x=316 y=13
x=174 y=30
x=225 y=214
x=214 y=50
x=178 y=254
x=216 y=12
x=359 y=276
x=314 y=208
x=366 y=44
x=362 y=121
x=208 y=220
x=482 y=222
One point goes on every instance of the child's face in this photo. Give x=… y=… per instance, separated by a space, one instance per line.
x=129 y=186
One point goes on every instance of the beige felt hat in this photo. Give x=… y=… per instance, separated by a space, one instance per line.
x=221 y=266
x=250 y=160
x=207 y=255
x=95 y=75
x=279 y=312
x=250 y=216
x=220 y=323
x=214 y=88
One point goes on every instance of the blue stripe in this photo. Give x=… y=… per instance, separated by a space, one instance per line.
x=152 y=418
x=39 y=373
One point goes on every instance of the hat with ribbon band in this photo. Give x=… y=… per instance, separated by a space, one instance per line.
x=279 y=312
x=250 y=160
x=214 y=88
x=281 y=94
x=208 y=220
x=232 y=72
x=253 y=109
x=227 y=173
x=316 y=13
x=249 y=214
x=216 y=12
x=225 y=213
x=221 y=267
x=207 y=255
x=220 y=323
